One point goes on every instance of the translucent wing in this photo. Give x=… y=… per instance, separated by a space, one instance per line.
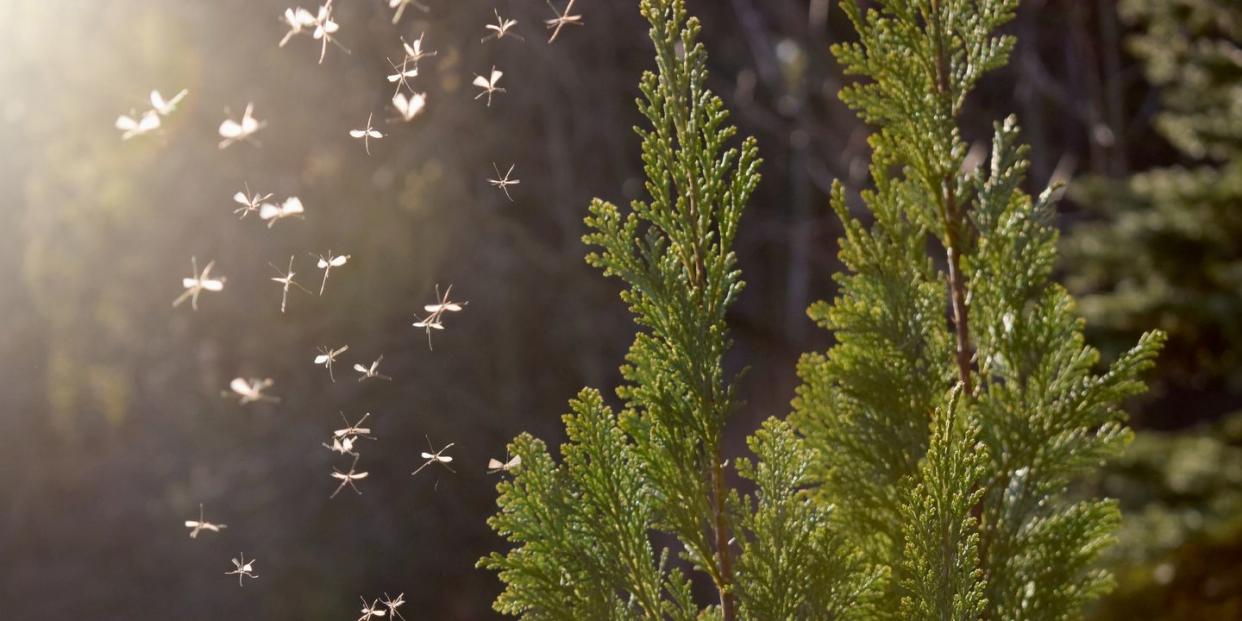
x=495 y=76
x=320 y=359
x=191 y=524
x=322 y=263
x=360 y=475
x=189 y=282
x=494 y=464
x=149 y=121
x=157 y=101
x=444 y=459
x=338 y=475
x=213 y=285
x=126 y=123
x=481 y=82
x=241 y=197
x=427 y=455
x=357 y=133
x=292 y=205
x=230 y=129
x=361 y=369
x=268 y=211
x=339 y=261
x=375 y=134
x=239 y=386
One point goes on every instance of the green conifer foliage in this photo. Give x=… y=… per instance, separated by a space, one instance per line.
x=585 y=529
x=960 y=399
x=1165 y=250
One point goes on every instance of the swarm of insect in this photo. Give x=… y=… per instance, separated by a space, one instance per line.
x=433 y=320
x=501 y=29
x=242 y=569
x=237 y=131
x=132 y=125
x=202 y=524
x=504 y=182
x=197 y=283
x=326 y=263
x=290 y=208
x=409 y=107
x=435 y=457
x=562 y=19
x=488 y=85
x=251 y=390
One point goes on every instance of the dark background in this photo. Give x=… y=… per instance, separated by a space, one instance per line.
x=113 y=425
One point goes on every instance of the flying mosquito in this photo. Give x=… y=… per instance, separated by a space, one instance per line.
x=344 y=446
x=495 y=465
x=286 y=279
x=132 y=125
x=165 y=107
x=250 y=390
x=501 y=29
x=348 y=478
x=326 y=263
x=291 y=208
x=249 y=202
x=400 y=5
x=236 y=131
x=488 y=85
x=325 y=27
x=372 y=371
x=242 y=569
x=366 y=134
x=370 y=610
x=504 y=182
x=197 y=283
x=433 y=321
x=562 y=19
x=409 y=107
x=392 y=604
x=404 y=72
x=298 y=19
x=327 y=358
x=353 y=430
x=414 y=51
x=200 y=524
x=435 y=457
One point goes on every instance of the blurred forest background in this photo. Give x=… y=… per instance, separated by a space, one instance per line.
x=110 y=402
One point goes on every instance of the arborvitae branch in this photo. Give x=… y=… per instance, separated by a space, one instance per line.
x=663 y=452
x=947 y=470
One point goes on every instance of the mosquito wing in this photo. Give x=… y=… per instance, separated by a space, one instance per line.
x=230 y=129
x=481 y=82
x=292 y=206
x=213 y=284
x=241 y=386
x=267 y=211
x=338 y=261
x=321 y=358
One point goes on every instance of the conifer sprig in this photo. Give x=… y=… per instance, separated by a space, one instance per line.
x=584 y=553
x=959 y=401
